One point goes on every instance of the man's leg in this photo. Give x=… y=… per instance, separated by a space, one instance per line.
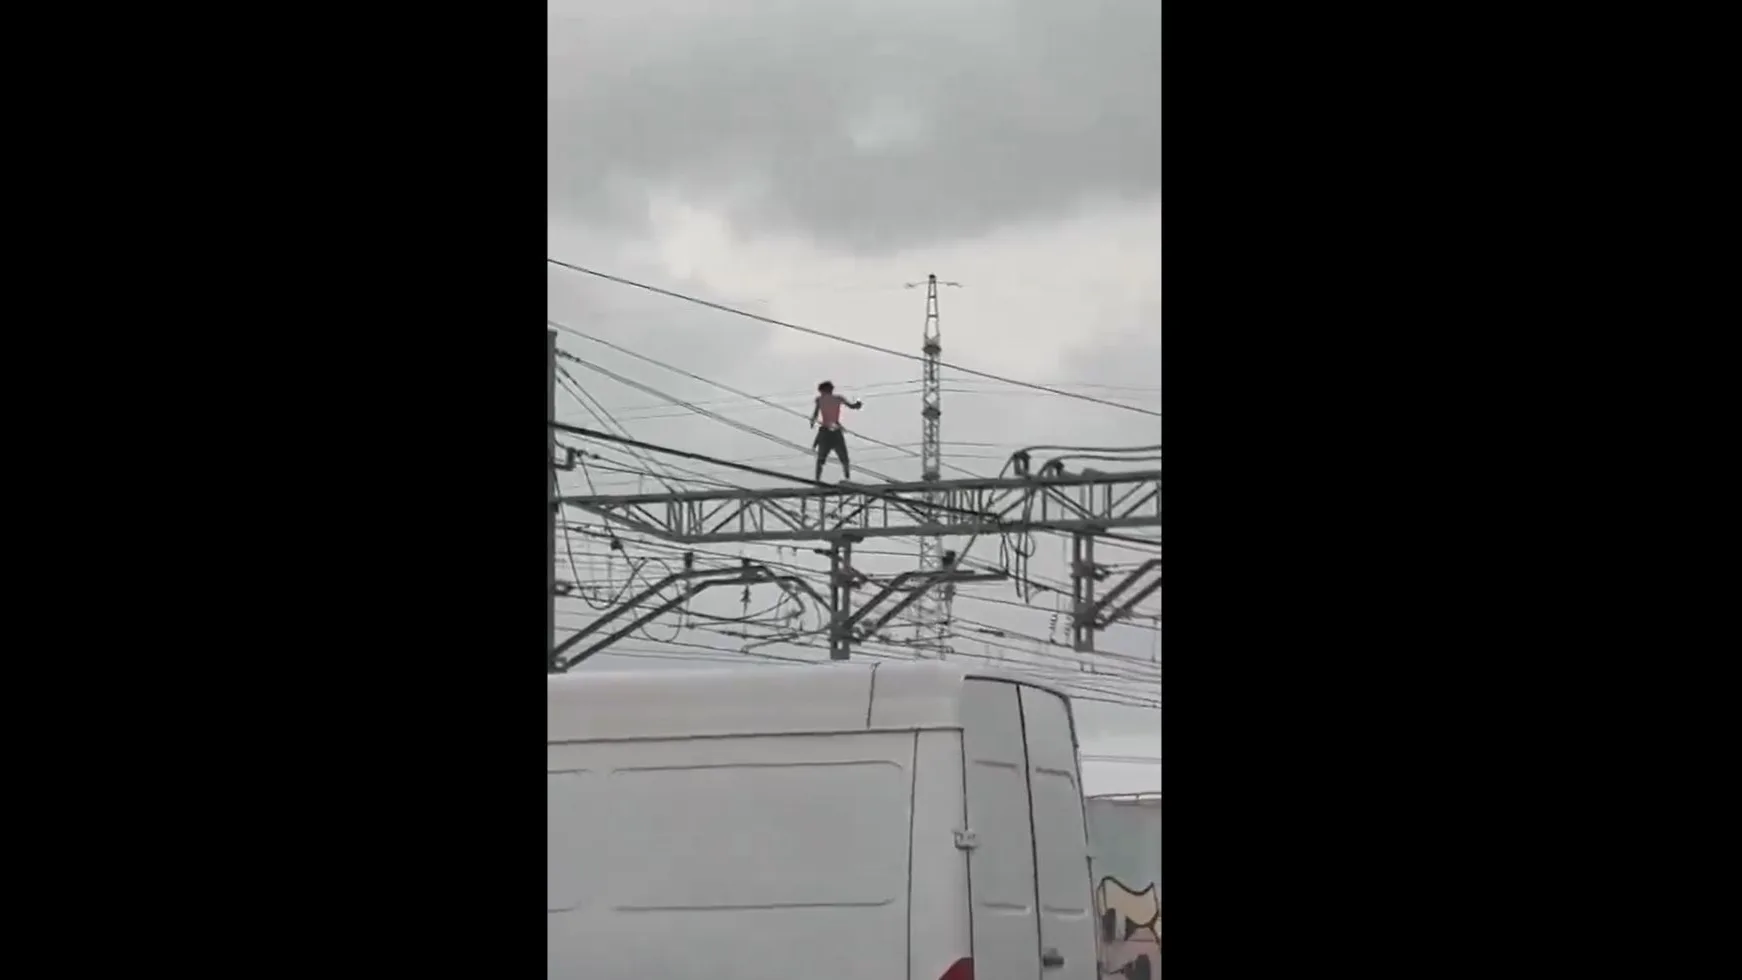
x=841 y=451
x=822 y=456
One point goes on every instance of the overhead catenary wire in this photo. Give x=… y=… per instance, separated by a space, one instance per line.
x=1081 y=687
x=1081 y=677
x=882 y=389
x=740 y=426
x=1020 y=549
x=1080 y=674
x=734 y=391
x=574 y=389
x=723 y=308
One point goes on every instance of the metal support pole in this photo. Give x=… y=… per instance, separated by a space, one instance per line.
x=931 y=615
x=550 y=503
x=840 y=598
x=1083 y=592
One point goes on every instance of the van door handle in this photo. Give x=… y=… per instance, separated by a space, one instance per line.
x=1050 y=959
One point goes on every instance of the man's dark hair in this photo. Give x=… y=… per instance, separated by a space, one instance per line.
x=826 y=387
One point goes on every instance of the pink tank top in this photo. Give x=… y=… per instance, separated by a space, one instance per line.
x=830 y=406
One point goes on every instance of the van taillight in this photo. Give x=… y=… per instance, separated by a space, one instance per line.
x=962 y=969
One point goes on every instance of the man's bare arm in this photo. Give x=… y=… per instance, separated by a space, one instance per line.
x=816 y=407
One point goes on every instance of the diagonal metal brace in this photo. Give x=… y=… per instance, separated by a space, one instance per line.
x=1095 y=612
x=748 y=575
x=1131 y=579
x=592 y=627
x=673 y=603
x=926 y=580
x=1125 y=610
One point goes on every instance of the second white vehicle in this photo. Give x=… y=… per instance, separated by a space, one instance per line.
x=849 y=822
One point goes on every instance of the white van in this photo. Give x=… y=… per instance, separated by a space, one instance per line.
x=848 y=822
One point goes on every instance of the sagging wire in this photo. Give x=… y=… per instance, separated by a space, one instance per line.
x=1014 y=551
x=734 y=423
x=691 y=618
x=578 y=392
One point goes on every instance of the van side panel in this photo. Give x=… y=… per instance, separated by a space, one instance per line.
x=1061 y=852
x=939 y=896
x=1001 y=865
x=741 y=858
x=568 y=842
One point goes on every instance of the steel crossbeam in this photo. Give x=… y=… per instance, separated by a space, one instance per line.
x=1077 y=502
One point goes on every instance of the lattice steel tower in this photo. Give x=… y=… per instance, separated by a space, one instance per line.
x=934 y=607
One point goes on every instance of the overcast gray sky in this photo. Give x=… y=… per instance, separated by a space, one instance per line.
x=804 y=160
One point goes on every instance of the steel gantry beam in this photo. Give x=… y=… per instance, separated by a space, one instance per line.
x=1076 y=502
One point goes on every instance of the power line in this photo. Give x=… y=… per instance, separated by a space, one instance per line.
x=740 y=426
x=908 y=386
x=881 y=389
x=1134 y=699
x=578 y=392
x=663 y=411
x=867 y=457
x=845 y=340
x=727 y=388
x=1151 y=670
x=909 y=452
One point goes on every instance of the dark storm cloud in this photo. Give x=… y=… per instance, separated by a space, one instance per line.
x=868 y=126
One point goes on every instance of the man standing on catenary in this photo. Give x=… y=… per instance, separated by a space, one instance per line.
x=830 y=437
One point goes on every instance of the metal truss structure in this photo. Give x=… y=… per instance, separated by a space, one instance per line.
x=1083 y=505
x=1079 y=502
x=934 y=610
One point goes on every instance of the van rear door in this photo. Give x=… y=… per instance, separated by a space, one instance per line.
x=1028 y=868
x=1001 y=885
x=1064 y=886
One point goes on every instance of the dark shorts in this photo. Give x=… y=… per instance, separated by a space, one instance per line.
x=831 y=441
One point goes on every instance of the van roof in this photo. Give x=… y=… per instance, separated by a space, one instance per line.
x=598 y=705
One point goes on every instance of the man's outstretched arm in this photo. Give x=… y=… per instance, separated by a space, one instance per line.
x=853 y=405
